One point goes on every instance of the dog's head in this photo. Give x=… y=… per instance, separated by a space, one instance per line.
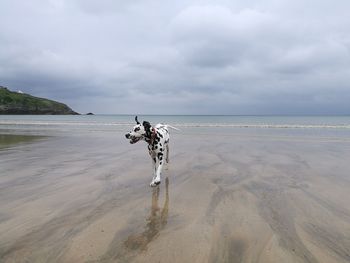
x=138 y=132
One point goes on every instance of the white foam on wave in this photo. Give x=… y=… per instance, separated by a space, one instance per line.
x=265 y=126
x=42 y=123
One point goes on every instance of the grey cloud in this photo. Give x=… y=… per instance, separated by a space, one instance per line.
x=213 y=36
x=242 y=57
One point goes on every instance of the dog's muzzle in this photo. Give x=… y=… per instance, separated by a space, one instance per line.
x=132 y=139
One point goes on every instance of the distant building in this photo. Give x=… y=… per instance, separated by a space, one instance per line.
x=21 y=92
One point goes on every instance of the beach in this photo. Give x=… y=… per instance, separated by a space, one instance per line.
x=227 y=195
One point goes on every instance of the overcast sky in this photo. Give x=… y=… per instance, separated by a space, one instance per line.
x=180 y=57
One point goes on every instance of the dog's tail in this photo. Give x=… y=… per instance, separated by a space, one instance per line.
x=169 y=126
x=172 y=127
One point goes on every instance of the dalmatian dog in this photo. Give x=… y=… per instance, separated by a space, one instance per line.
x=157 y=138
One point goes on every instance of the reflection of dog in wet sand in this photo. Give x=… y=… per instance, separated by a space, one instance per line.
x=155 y=223
x=157 y=138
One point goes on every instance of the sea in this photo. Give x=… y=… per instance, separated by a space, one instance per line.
x=334 y=126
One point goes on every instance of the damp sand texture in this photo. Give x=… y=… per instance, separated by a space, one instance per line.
x=238 y=198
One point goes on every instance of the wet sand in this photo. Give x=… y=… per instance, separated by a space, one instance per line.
x=9 y=140
x=223 y=198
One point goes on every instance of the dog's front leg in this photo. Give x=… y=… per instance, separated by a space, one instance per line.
x=153 y=156
x=154 y=168
x=159 y=166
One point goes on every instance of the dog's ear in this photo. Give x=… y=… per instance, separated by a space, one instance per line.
x=137 y=121
x=147 y=125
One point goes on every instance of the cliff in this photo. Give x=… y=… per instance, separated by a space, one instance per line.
x=21 y=103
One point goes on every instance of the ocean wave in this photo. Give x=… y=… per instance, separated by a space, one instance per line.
x=179 y=125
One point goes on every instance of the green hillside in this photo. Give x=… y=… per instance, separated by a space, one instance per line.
x=21 y=103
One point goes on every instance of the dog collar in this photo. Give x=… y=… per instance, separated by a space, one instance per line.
x=153 y=136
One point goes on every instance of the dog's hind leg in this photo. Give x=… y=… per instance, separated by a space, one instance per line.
x=167 y=157
x=167 y=154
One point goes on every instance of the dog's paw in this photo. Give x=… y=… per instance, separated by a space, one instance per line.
x=154 y=183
